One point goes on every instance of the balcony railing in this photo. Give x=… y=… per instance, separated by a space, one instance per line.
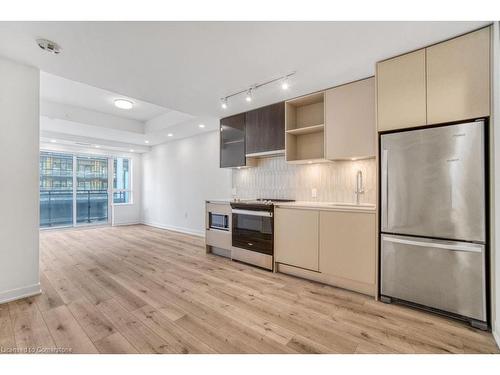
x=56 y=207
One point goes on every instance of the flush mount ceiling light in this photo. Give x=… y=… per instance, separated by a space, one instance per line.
x=97 y=146
x=285 y=84
x=170 y=135
x=201 y=126
x=49 y=46
x=131 y=150
x=53 y=141
x=123 y=104
x=146 y=141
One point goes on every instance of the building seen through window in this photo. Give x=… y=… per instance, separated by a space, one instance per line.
x=74 y=189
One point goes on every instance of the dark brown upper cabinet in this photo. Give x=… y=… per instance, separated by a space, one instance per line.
x=265 y=130
x=232 y=141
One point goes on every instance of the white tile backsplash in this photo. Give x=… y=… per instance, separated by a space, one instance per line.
x=333 y=181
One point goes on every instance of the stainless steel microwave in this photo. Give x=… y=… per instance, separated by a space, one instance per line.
x=218 y=221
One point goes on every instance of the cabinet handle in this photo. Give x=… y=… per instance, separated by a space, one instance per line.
x=468 y=248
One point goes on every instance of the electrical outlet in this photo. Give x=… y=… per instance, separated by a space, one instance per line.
x=314 y=193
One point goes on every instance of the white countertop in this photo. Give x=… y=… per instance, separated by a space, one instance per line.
x=220 y=201
x=334 y=206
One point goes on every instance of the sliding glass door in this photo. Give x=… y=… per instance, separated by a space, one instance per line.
x=56 y=190
x=91 y=190
x=73 y=190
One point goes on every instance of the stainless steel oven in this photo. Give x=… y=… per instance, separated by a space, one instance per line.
x=253 y=230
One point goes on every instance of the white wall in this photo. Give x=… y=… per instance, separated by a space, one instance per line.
x=122 y=214
x=178 y=177
x=19 y=202
x=495 y=185
x=131 y=213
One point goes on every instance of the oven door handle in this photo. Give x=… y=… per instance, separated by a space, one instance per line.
x=253 y=213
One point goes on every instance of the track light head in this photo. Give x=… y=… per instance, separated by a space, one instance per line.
x=284 y=84
x=248 y=98
x=223 y=103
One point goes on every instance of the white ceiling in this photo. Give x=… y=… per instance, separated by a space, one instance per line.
x=187 y=67
x=61 y=90
x=79 y=113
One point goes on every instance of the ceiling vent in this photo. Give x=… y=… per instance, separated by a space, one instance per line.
x=49 y=46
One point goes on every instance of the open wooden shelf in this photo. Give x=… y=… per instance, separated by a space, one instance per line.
x=305 y=142
x=305 y=147
x=307 y=129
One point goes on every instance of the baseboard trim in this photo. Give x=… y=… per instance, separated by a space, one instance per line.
x=496 y=336
x=15 y=294
x=198 y=233
x=127 y=223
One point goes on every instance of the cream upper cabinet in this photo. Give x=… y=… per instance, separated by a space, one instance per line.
x=401 y=96
x=350 y=120
x=296 y=237
x=458 y=78
x=347 y=246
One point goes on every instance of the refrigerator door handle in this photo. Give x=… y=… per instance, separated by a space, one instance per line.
x=384 y=188
x=471 y=248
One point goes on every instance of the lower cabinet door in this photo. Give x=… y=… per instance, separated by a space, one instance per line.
x=347 y=245
x=296 y=237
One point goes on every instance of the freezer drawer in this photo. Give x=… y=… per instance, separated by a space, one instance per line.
x=433 y=182
x=444 y=275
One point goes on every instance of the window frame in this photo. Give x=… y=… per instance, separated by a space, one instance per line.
x=130 y=190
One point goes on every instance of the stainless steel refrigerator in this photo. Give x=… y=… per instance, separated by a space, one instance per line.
x=433 y=220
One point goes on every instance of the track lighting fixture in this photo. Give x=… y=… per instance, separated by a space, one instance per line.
x=285 y=84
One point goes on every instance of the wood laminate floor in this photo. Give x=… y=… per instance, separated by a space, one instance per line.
x=138 y=289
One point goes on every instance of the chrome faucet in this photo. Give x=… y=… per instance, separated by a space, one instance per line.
x=359 y=186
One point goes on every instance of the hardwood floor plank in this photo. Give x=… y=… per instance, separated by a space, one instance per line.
x=87 y=287
x=181 y=340
x=49 y=298
x=66 y=332
x=128 y=299
x=141 y=337
x=31 y=332
x=64 y=287
x=115 y=344
x=22 y=306
x=93 y=322
x=7 y=338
